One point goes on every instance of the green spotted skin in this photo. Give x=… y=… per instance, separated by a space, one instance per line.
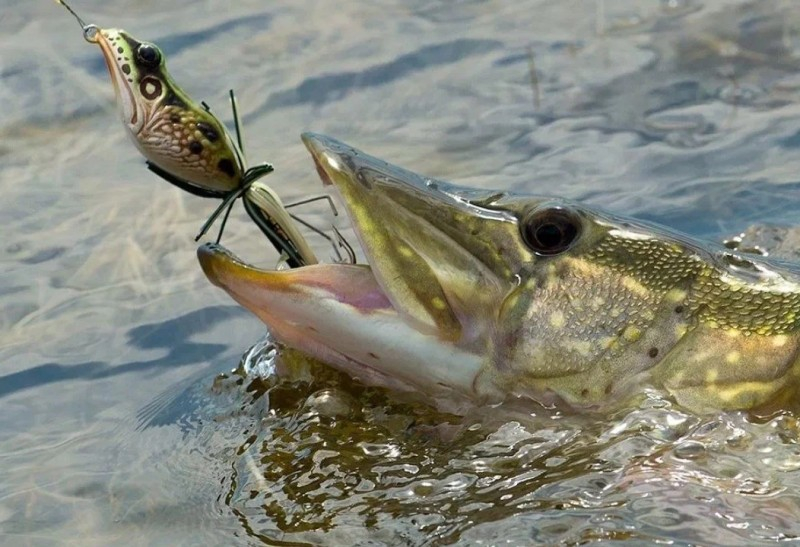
x=623 y=308
x=166 y=125
x=627 y=308
x=735 y=294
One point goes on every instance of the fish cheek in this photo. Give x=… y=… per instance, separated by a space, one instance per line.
x=586 y=333
x=508 y=334
x=534 y=338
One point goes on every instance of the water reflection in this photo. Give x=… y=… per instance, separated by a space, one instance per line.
x=116 y=427
x=166 y=336
x=332 y=87
x=386 y=471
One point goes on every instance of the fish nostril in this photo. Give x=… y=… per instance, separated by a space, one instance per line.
x=362 y=179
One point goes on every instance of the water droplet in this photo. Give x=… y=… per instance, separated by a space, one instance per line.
x=690 y=450
x=259 y=360
x=330 y=403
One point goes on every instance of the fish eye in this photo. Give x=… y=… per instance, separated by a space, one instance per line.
x=551 y=230
x=148 y=55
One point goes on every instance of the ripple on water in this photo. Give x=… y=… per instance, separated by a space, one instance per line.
x=319 y=458
x=680 y=111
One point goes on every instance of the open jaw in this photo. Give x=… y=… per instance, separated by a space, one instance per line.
x=414 y=318
x=485 y=295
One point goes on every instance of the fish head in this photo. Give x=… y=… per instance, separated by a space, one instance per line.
x=486 y=294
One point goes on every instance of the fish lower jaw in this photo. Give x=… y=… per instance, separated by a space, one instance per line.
x=339 y=314
x=378 y=349
x=297 y=338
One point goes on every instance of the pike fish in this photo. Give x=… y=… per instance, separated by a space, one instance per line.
x=481 y=296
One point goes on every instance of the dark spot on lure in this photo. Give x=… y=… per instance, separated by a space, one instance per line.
x=195 y=147
x=150 y=88
x=209 y=132
x=226 y=166
x=175 y=118
x=120 y=50
x=126 y=68
x=678 y=309
x=653 y=353
x=173 y=100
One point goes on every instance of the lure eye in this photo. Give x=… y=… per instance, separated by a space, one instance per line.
x=550 y=231
x=148 y=55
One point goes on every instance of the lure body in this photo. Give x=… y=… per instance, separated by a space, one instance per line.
x=185 y=144
x=172 y=131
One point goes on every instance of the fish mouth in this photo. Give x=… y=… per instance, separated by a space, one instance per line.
x=417 y=313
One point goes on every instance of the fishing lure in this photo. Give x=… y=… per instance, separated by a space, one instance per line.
x=186 y=145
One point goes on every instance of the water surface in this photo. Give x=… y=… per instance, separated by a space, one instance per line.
x=115 y=428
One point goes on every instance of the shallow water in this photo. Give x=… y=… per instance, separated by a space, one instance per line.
x=114 y=426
